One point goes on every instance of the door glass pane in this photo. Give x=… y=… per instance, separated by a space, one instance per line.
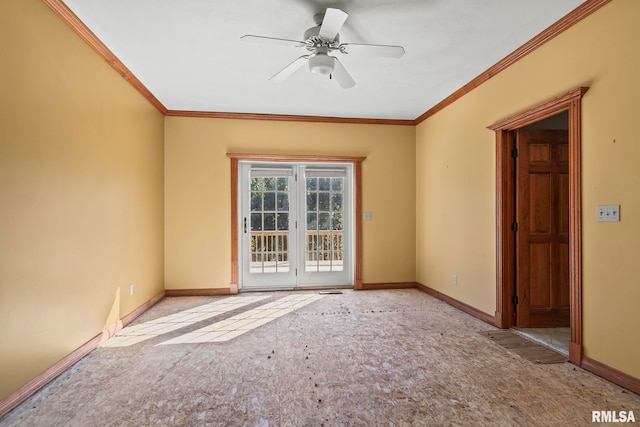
x=312 y=184
x=312 y=221
x=324 y=228
x=324 y=184
x=324 y=220
x=283 y=202
x=312 y=201
x=336 y=221
x=282 y=221
x=256 y=222
x=269 y=183
x=256 y=184
x=269 y=239
x=283 y=184
x=256 y=201
x=269 y=201
x=269 y=221
x=336 y=202
x=323 y=201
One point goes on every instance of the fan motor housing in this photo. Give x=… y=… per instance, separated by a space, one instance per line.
x=313 y=40
x=311 y=32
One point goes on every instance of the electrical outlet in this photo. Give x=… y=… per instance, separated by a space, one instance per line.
x=455 y=279
x=608 y=213
x=131 y=289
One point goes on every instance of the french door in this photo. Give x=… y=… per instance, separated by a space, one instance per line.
x=296 y=225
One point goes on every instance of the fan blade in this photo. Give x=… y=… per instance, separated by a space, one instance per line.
x=287 y=71
x=271 y=40
x=378 y=50
x=341 y=75
x=332 y=22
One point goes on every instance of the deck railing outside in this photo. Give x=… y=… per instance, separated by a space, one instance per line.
x=274 y=246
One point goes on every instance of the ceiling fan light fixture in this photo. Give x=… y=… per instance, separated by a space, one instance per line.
x=321 y=40
x=321 y=63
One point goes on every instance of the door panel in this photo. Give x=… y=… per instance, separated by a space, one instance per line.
x=563 y=204
x=542 y=239
x=562 y=292
x=268 y=241
x=327 y=226
x=540 y=203
x=539 y=154
x=539 y=255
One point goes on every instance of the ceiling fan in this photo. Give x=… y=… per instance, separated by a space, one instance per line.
x=322 y=40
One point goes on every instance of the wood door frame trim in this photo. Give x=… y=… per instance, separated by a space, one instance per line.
x=505 y=208
x=356 y=161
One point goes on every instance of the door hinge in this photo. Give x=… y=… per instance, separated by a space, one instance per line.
x=514 y=153
x=295 y=177
x=296 y=225
x=515 y=300
x=296 y=272
x=514 y=226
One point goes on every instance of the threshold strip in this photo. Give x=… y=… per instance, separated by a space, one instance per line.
x=246 y=321
x=134 y=334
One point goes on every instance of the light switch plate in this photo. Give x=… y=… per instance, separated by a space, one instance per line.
x=608 y=213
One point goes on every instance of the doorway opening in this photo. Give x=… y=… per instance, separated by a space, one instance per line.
x=539 y=246
x=295 y=222
x=541 y=306
x=297 y=225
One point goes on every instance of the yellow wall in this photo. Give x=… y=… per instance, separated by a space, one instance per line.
x=456 y=171
x=84 y=161
x=81 y=193
x=197 y=191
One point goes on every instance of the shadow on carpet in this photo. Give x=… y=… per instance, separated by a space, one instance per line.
x=524 y=347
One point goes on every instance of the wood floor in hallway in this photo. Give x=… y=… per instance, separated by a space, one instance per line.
x=360 y=358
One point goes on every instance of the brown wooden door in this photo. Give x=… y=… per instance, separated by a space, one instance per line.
x=542 y=238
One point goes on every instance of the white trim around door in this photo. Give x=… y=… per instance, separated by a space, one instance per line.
x=296 y=225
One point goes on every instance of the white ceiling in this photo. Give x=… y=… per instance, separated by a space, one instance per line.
x=188 y=53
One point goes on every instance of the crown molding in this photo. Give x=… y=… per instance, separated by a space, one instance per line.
x=101 y=49
x=572 y=18
x=289 y=118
